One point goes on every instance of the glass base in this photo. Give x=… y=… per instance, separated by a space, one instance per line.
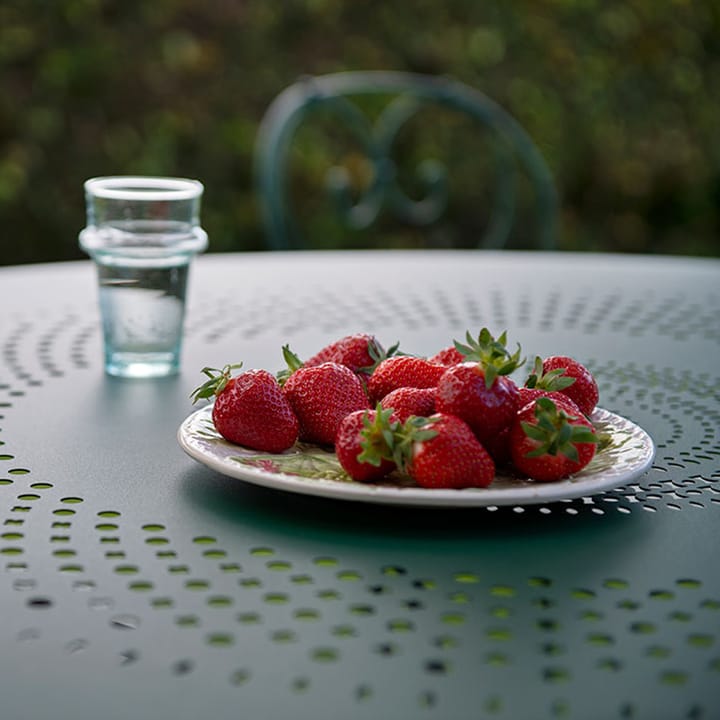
x=142 y=365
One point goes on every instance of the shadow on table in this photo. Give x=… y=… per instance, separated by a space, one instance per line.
x=305 y=516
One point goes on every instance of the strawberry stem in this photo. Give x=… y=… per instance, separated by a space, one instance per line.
x=216 y=384
x=377 y=353
x=414 y=430
x=293 y=363
x=553 y=380
x=555 y=432
x=492 y=355
x=377 y=437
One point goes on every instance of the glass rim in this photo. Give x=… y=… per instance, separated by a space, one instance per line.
x=138 y=187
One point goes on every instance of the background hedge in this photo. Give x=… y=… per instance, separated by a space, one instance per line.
x=621 y=96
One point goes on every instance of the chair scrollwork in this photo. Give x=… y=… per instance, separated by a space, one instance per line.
x=410 y=93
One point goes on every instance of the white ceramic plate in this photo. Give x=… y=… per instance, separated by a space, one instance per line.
x=627 y=453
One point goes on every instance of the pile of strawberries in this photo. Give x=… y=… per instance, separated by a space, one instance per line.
x=447 y=421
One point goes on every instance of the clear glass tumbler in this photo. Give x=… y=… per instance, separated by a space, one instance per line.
x=142 y=233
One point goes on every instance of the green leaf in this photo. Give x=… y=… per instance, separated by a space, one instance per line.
x=555 y=379
x=555 y=432
x=584 y=435
x=293 y=363
x=492 y=355
x=560 y=382
x=377 y=354
x=531 y=382
x=377 y=437
x=537 y=452
x=564 y=434
x=533 y=431
x=491 y=373
x=570 y=452
x=414 y=430
x=423 y=435
x=216 y=384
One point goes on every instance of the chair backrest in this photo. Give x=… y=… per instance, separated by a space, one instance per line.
x=339 y=94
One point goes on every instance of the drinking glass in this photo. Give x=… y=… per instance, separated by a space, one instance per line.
x=142 y=233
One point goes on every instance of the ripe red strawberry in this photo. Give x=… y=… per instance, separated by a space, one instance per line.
x=448 y=356
x=499 y=447
x=321 y=396
x=361 y=444
x=567 y=376
x=402 y=371
x=360 y=352
x=493 y=355
x=464 y=391
x=250 y=409
x=526 y=395
x=549 y=440
x=478 y=391
x=407 y=401
x=442 y=452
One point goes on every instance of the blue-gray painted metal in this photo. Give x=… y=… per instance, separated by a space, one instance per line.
x=514 y=152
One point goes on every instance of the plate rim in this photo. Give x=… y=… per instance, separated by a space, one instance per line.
x=528 y=493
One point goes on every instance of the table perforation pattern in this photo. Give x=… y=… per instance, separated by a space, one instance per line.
x=91 y=586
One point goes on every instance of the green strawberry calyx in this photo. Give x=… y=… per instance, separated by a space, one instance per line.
x=553 y=380
x=216 y=384
x=492 y=355
x=293 y=363
x=414 y=430
x=377 y=353
x=377 y=437
x=555 y=432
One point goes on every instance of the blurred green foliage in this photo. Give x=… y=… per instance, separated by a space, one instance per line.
x=619 y=95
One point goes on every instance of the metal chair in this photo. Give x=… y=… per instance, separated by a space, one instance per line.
x=339 y=95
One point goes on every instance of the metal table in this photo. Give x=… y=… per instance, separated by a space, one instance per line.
x=136 y=583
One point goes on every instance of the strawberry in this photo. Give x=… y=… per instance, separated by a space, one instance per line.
x=448 y=356
x=527 y=395
x=402 y=371
x=568 y=376
x=407 y=401
x=360 y=352
x=498 y=446
x=550 y=440
x=442 y=452
x=464 y=391
x=478 y=391
x=321 y=396
x=249 y=409
x=361 y=444
x=491 y=354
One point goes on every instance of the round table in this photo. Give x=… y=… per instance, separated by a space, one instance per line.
x=139 y=583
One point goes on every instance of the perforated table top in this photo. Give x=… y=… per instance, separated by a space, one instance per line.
x=137 y=583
